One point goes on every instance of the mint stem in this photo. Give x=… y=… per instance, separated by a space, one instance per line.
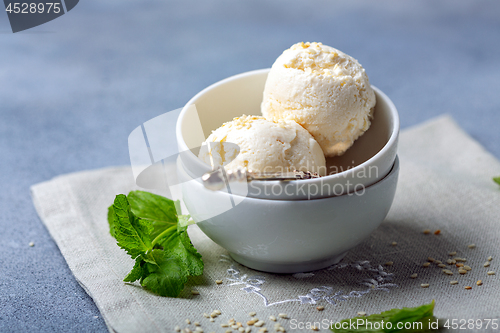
x=166 y=231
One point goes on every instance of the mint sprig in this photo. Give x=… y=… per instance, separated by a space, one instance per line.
x=497 y=180
x=423 y=314
x=147 y=226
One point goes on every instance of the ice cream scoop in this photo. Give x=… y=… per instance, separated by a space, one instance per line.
x=324 y=90
x=257 y=144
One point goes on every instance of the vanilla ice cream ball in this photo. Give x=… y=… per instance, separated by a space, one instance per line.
x=262 y=145
x=324 y=90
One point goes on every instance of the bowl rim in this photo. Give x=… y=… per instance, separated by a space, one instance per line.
x=393 y=172
x=346 y=173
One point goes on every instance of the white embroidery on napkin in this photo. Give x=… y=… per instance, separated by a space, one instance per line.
x=251 y=284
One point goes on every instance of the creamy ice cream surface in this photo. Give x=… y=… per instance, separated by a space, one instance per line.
x=324 y=90
x=265 y=146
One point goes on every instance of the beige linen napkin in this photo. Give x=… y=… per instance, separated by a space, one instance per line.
x=445 y=183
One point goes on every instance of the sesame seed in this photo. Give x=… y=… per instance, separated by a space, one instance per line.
x=430 y=259
x=394 y=243
x=424 y=285
x=224 y=325
x=263 y=330
x=361 y=313
x=218 y=281
x=426 y=264
x=451 y=261
x=248 y=329
x=491 y=273
x=241 y=329
x=177 y=329
x=437 y=232
x=281 y=329
x=462 y=271
x=389 y=263
x=471 y=246
x=479 y=282
x=234 y=327
x=427 y=231
x=195 y=292
x=320 y=308
x=206 y=315
x=196 y=323
x=467 y=268
x=490 y=258
x=187 y=330
x=454 y=282
x=251 y=314
x=217 y=312
x=250 y=322
x=459 y=265
x=437 y=262
x=199 y=329
x=442 y=265
x=314 y=328
x=239 y=324
x=259 y=323
x=188 y=321
x=454 y=253
x=229 y=331
x=273 y=318
x=212 y=320
x=283 y=315
x=468 y=287
x=448 y=272
x=413 y=276
x=31 y=244
x=213 y=315
x=486 y=264
x=460 y=259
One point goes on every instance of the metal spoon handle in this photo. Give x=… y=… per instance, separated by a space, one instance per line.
x=216 y=180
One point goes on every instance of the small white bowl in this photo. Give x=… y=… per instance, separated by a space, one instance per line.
x=367 y=161
x=288 y=236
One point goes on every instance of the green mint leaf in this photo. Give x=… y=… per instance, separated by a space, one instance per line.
x=159 y=210
x=169 y=230
x=164 y=275
x=111 y=220
x=421 y=314
x=497 y=180
x=148 y=227
x=136 y=273
x=176 y=242
x=152 y=207
x=131 y=232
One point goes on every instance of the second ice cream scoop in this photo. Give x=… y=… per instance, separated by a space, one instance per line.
x=254 y=143
x=324 y=90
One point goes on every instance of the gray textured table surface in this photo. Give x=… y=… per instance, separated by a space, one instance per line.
x=73 y=89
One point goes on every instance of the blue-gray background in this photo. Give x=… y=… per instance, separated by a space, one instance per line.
x=73 y=89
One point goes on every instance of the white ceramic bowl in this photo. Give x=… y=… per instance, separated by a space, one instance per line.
x=288 y=236
x=367 y=161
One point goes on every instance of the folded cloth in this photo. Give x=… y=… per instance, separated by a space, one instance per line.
x=445 y=184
